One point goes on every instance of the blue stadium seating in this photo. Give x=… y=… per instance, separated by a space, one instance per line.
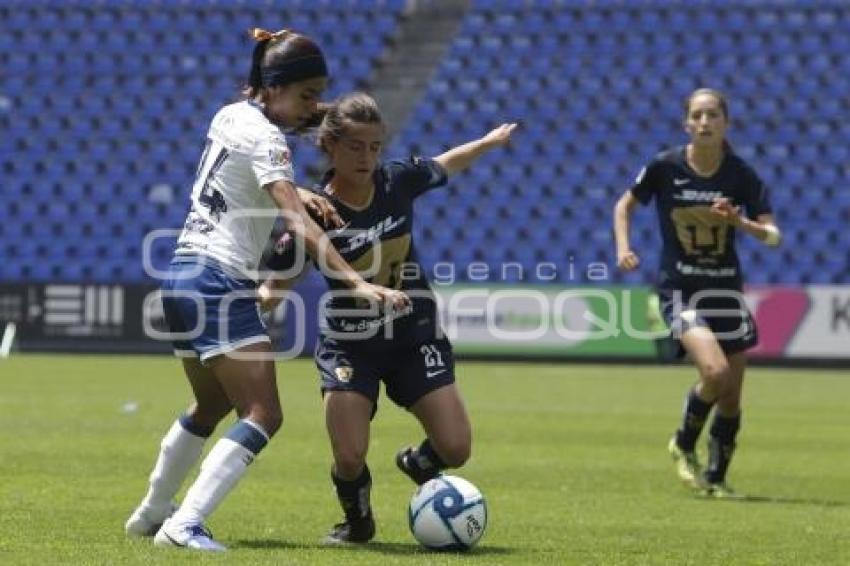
x=102 y=102
x=598 y=91
x=103 y=107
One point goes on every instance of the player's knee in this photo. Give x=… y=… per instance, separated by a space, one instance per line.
x=207 y=415
x=717 y=376
x=349 y=461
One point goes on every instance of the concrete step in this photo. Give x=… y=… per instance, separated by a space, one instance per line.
x=418 y=49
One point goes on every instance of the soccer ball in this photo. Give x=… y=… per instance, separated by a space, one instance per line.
x=448 y=513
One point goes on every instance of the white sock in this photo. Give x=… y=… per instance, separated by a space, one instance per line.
x=179 y=451
x=221 y=470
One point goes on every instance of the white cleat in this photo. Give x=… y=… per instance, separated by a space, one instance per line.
x=145 y=522
x=195 y=537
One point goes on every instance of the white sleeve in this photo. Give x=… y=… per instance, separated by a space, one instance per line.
x=271 y=159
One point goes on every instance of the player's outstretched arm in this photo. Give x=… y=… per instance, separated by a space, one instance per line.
x=627 y=260
x=459 y=158
x=322 y=251
x=763 y=227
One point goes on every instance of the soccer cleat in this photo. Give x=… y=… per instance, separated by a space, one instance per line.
x=720 y=491
x=357 y=531
x=145 y=522
x=406 y=463
x=195 y=537
x=687 y=466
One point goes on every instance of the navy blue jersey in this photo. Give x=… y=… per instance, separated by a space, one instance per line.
x=387 y=219
x=699 y=248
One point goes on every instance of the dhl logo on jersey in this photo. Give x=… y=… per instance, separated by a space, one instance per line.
x=368 y=236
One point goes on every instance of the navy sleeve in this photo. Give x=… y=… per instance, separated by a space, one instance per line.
x=647 y=183
x=417 y=175
x=756 y=197
x=284 y=254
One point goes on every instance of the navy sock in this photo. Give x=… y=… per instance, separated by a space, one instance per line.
x=248 y=434
x=191 y=426
x=693 y=420
x=354 y=495
x=721 y=446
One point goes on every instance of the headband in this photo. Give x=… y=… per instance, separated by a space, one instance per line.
x=300 y=69
x=295 y=70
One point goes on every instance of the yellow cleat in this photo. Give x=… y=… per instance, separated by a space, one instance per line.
x=687 y=466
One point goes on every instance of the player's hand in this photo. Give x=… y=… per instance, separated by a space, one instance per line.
x=724 y=209
x=390 y=300
x=627 y=260
x=500 y=136
x=266 y=297
x=320 y=207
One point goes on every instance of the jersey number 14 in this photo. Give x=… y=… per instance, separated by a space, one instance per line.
x=207 y=168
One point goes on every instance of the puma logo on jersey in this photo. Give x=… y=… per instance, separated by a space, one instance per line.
x=343 y=373
x=698 y=196
x=364 y=237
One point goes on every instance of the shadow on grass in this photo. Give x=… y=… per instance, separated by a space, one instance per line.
x=268 y=544
x=413 y=548
x=778 y=500
x=397 y=548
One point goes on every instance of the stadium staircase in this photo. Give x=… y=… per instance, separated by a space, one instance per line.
x=421 y=41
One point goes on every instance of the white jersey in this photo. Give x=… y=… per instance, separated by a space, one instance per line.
x=232 y=216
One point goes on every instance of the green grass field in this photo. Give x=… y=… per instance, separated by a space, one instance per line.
x=571 y=458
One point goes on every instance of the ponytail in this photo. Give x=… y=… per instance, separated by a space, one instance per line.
x=255 y=77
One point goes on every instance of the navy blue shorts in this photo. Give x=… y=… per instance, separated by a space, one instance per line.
x=721 y=311
x=209 y=310
x=408 y=372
